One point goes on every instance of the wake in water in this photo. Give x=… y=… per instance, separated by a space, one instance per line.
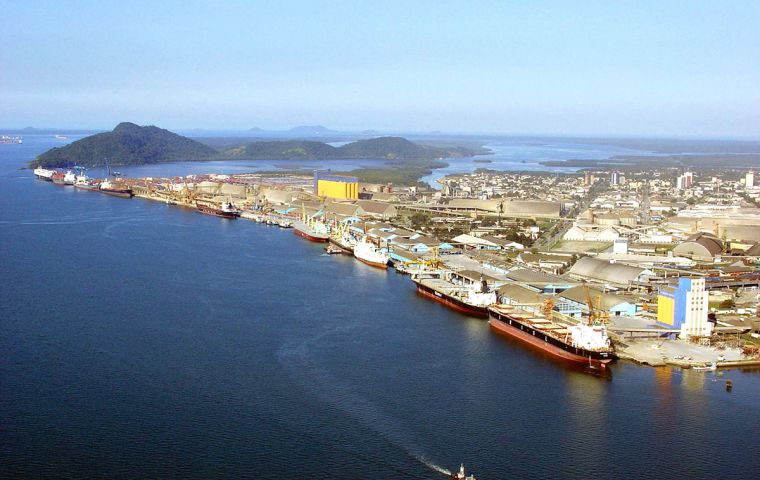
x=298 y=357
x=434 y=467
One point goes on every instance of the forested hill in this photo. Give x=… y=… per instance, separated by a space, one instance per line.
x=127 y=144
x=130 y=144
x=390 y=148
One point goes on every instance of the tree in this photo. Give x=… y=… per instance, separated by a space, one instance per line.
x=727 y=304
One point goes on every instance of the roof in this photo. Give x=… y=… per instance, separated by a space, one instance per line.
x=346 y=209
x=753 y=251
x=519 y=294
x=370 y=206
x=476 y=276
x=701 y=244
x=605 y=301
x=527 y=275
x=604 y=271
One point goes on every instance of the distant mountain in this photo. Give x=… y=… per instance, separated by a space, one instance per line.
x=308 y=130
x=390 y=148
x=127 y=144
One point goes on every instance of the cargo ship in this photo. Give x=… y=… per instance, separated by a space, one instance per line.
x=342 y=238
x=579 y=344
x=44 y=174
x=69 y=178
x=116 y=190
x=224 y=209
x=472 y=300
x=58 y=178
x=367 y=252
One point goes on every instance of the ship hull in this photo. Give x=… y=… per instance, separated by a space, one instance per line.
x=371 y=263
x=216 y=212
x=309 y=237
x=540 y=341
x=118 y=193
x=43 y=177
x=92 y=188
x=452 y=303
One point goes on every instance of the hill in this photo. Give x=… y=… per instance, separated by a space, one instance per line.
x=127 y=144
x=388 y=148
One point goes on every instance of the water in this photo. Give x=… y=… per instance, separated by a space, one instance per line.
x=514 y=154
x=140 y=340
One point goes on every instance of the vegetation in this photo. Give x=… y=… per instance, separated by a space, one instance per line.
x=127 y=144
x=387 y=148
x=130 y=144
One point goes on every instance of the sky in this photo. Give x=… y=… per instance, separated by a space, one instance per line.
x=653 y=68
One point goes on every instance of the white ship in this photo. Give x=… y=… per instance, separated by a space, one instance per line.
x=69 y=178
x=44 y=174
x=366 y=251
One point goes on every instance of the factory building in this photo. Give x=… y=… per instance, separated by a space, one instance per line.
x=334 y=186
x=685 y=307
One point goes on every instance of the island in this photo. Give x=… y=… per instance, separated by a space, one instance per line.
x=130 y=144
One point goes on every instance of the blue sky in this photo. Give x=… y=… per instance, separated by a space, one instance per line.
x=688 y=68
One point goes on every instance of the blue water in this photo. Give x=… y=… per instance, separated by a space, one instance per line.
x=140 y=340
x=515 y=154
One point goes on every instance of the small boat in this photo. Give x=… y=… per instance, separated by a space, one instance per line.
x=333 y=250
x=460 y=475
x=224 y=209
x=285 y=224
x=708 y=367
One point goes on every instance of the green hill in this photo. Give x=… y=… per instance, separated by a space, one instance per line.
x=390 y=148
x=130 y=144
x=127 y=144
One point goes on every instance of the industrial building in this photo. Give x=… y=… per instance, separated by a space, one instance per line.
x=335 y=186
x=685 y=307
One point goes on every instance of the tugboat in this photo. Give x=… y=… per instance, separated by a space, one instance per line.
x=224 y=209
x=460 y=475
x=333 y=250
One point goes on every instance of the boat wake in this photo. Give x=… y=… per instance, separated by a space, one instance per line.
x=299 y=357
x=434 y=467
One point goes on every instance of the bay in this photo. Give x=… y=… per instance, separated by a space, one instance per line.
x=141 y=340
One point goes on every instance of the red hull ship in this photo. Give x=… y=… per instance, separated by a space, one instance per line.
x=579 y=344
x=306 y=231
x=452 y=302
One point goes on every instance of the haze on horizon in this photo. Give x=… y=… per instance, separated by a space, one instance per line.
x=679 y=68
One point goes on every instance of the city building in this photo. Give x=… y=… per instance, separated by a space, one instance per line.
x=685 y=307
